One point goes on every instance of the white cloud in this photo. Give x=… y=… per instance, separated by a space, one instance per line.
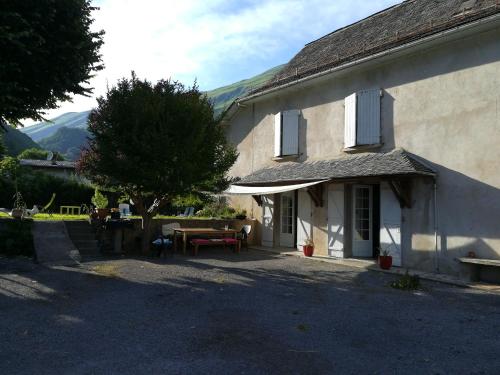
x=215 y=41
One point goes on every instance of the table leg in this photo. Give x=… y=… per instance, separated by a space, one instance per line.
x=184 y=242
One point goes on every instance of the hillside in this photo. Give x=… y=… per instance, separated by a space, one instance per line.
x=222 y=97
x=45 y=129
x=16 y=142
x=66 y=141
x=67 y=133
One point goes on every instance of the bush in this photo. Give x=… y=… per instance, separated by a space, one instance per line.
x=37 y=187
x=407 y=282
x=16 y=238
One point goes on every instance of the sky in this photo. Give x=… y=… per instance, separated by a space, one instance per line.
x=216 y=42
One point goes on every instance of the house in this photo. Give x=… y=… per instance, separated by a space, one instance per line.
x=62 y=169
x=383 y=135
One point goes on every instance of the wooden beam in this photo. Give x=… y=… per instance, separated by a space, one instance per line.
x=402 y=191
x=258 y=199
x=316 y=194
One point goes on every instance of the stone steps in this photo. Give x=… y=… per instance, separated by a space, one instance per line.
x=84 y=237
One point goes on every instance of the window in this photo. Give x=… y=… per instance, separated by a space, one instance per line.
x=286 y=133
x=362 y=118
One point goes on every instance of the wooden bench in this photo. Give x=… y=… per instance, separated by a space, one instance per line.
x=197 y=242
x=476 y=263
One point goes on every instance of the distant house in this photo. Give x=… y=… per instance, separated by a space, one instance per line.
x=383 y=135
x=63 y=169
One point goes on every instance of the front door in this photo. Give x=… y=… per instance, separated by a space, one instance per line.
x=287 y=223
x=362 y=241
x=304 y=218
x=267 y=220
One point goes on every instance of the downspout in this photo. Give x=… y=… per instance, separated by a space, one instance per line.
x=436 y=226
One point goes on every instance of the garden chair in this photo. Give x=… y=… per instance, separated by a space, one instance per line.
x=124 y=209
x=243 y=235
x=166 y=238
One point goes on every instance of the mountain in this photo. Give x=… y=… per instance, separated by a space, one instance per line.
x=224 y=96
x=16 y=142
x=45 y=129
x=68 y=132
x=66 y=141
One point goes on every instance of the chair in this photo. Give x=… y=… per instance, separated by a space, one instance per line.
x=245 y=231
x=189 y=211
x=124 y=209
x=166 y=238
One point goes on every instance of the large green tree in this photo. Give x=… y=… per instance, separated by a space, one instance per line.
x=48 y=53
x=154 y=142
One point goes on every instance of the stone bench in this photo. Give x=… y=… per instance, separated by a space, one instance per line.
x=475 y=264
x=197 y=242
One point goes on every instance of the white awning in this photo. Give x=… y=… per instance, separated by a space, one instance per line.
x=263 y=190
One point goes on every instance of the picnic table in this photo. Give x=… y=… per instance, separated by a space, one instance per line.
x=209 y=232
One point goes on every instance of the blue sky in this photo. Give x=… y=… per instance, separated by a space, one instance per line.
x=215 y=41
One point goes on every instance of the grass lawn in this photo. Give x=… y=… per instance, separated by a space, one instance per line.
x=59 y=217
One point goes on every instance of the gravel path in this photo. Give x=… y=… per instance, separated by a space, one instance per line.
x=251 y=313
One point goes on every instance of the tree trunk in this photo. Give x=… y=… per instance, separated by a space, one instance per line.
x=147 y=220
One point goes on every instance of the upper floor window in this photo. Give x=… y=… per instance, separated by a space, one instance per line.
x=362 y=118
x=286 y=133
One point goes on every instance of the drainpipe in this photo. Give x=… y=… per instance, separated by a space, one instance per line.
x=436 y=226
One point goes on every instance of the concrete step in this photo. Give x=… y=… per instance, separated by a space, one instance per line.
x=82 y=236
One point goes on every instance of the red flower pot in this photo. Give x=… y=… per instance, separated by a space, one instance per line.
x=385 y=262
x=308 y=250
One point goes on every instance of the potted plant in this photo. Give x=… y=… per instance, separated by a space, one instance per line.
x=308 y=247
x=19 y=206
x=385 y=260
x=101 y=203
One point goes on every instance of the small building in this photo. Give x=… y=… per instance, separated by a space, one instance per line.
x=383 y=135
x=62 y=169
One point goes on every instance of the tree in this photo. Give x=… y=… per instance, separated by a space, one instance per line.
x=48 y=51
x=37 y=154
x=154 y=143
x=3 y=150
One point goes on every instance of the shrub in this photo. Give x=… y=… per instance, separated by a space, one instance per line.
x=16 y=238
x=407 y=282
x=99 y=200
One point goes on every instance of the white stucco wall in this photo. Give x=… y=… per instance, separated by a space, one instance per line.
x=440 y=104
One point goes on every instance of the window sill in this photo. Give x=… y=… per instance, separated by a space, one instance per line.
x=286 y=157
x=362 y=148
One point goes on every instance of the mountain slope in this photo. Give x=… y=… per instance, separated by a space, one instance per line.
x=16 y=142
x=222 y=97
x=66 y=141
x=45 y=129
x=68 y=132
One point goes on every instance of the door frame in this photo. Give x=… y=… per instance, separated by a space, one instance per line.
x=290 y=237
x=353 y=220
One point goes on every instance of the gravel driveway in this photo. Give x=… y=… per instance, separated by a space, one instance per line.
x=251 y=313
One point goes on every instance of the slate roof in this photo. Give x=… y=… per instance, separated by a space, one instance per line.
x=393 y=27
x=47 y=164
x=394 y=163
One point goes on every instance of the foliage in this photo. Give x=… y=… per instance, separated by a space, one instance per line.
x=48 y=51
x=37 y=187
x=155 y=142
x=3 y=149
x=16 y=238
x=99 y=200
x=19 y=201
x=407 y=282
x=37 y=154
x=15 y=141
x=9 y=167
x=67 y=141
x=221 y=210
